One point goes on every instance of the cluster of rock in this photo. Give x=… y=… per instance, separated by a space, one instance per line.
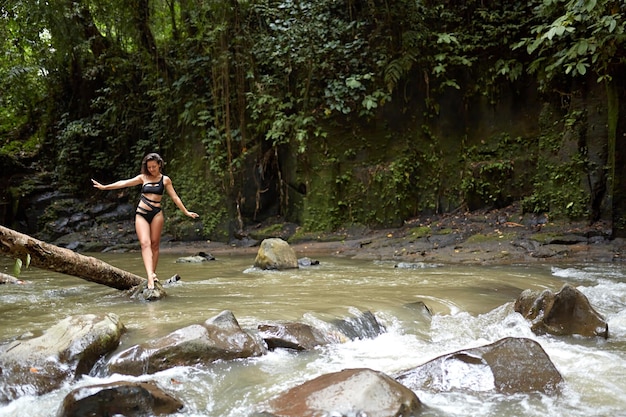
x=273 y=253
x=78 y=345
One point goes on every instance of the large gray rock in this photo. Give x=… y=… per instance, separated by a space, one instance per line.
x=363 y=326
x=122 y=398
x=220 y=337
x=298 y=336
x=351 y=392
x=64 y=352
x=510 y=365
x=275 y=253
x=196 y=259
x=142 y=293
x=566 y=312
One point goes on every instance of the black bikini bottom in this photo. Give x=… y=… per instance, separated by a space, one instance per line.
x=148 y=214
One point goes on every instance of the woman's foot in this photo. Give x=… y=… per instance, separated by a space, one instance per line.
x=151 y=280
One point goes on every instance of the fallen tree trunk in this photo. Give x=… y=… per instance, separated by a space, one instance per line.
x=47 y=256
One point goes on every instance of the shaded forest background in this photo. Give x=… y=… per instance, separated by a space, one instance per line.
x=324 y=113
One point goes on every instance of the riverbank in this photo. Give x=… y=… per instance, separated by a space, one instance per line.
x=481 y=237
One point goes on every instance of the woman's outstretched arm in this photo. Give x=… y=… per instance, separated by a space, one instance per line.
x=118 y=184
x=176 y=199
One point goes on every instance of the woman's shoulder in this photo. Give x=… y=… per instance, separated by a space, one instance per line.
x=138 y=179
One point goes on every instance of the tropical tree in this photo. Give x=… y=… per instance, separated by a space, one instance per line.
x=585 y=40
x=22 y=75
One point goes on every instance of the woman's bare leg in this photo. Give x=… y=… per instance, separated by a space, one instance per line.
x=143 y=229
x=155 y=238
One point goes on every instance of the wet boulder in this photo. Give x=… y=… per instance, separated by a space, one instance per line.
x=275 y=253
x=141 y=292
x=64 y=352
x=120 y=398
x=566 y=312
x=172 y=280
x=509 y=366
x=298 y=336
x=362 y=326
x=196 y=259
x=420 y=307
x=307 y=262
x=220 y=337
x=351 y=392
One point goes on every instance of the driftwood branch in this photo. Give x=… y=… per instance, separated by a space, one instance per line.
x=9 y=279
x=47 y=256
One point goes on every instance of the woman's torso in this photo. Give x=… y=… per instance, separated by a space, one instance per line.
x=153 y=188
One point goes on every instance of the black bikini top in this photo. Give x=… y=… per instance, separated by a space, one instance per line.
x=153 y=187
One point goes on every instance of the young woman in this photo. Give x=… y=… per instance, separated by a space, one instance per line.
x=149 y=217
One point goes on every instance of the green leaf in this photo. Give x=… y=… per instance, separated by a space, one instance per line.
x=583 y=45
x=519 y=44
x=17 y=268
x=581 y=68
x=560 y=30
x=353 y=83
x=369 y=103
x=591 y=5
x=451 y=83
x=568 y=69
x=550 y=33
x=439 y=69
x=534 y=45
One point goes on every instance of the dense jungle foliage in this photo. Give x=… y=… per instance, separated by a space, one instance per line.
x=325 y=112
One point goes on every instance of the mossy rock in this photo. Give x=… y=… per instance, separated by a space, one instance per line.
x=280 y=230
x=489 y=238
x=420 y=231
x=544 y=238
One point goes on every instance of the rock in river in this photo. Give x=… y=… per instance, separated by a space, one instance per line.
x=64 y=352
x=351 y=392
x=275 y=253
x=120 y=398
x=566 y=312
x=510 y=365
x=220 y=337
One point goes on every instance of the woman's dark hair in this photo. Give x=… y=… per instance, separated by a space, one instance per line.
x=151 y=157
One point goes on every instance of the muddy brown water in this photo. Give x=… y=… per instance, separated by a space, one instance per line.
x=471 y=306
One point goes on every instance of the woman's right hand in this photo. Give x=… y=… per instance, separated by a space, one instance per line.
x=97 y=184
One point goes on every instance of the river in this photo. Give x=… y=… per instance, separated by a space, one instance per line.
x=471 y=306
